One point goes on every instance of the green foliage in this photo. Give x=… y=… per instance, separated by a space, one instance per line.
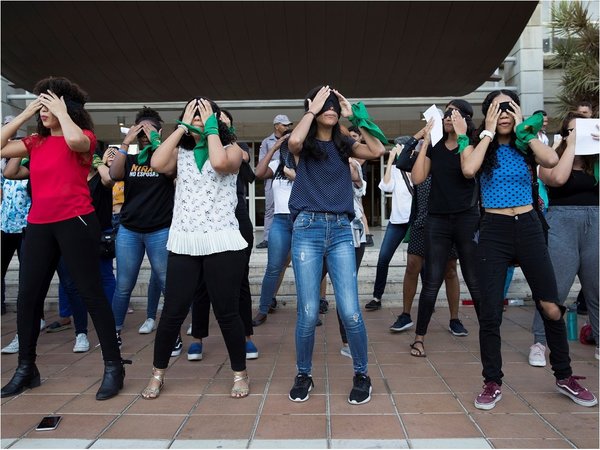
x=576 y=52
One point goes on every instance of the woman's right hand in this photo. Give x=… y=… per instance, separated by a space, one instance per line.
x=491 y=118
x=132 y=134
x=189 y=112
x=572 y=137
x=317 y=103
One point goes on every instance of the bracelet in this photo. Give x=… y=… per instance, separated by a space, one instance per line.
x=124 y=144
x=123 y=151
x=184 y=128
x=310 y=112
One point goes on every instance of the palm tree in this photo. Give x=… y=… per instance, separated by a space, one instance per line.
x=576 y=53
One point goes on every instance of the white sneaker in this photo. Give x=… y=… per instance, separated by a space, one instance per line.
x=147 y=327
x=345 y=351
x=13 y=347
x=537 y=355
x=81 y=343
x=42 y=324
x=189 y=330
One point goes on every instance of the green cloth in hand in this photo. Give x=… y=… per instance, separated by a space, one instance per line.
x=146 y=152
x=211 y=126
x=463 y=142
x=528 y=130
x=360 y=118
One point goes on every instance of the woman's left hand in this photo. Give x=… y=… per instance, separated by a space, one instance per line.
x=205 y=109
x=458 y=122
x=517 y=115
x=344 y=104
x=54 y=104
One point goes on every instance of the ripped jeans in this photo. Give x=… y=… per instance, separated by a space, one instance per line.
x=317 y=237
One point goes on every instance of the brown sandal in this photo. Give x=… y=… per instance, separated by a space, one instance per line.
x=152 y=392
x=241 y=384
x=416 y=352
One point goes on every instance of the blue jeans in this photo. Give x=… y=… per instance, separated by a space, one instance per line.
x=394 y=234
x=280 y=242
x=319 y=236
x=130 y=248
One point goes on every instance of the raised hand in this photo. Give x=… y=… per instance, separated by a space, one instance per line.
x=344 y=104
x=54 y=104
x=132 y=134
x=315 y=105
x=492 y=116
x=32 y=108
x=458 y=122
x=205 y=109
x=517 y=114
x=190 y=110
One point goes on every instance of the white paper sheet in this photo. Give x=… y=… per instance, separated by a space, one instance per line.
x=437 y=131
x=585 y=144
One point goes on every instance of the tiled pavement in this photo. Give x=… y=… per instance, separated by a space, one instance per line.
x=417 y=402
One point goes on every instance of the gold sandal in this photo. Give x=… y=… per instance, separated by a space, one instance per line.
x=243 y=390
x=153 y=392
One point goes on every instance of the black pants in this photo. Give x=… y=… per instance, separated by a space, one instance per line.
x=221 y=274
x=201 y=305
x=10 y=243
x=441 y=232
x=77 y=240
x=506 y=240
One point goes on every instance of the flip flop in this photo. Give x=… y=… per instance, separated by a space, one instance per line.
x=56 y=326
x=416 y=352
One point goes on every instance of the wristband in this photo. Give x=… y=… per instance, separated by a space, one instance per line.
x=211 y=126
x=122 y=151
x=487 y=133
x=184 y=128
x=310 y=112
x=463 y=142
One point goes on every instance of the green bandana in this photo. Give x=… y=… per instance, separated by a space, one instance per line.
x=96 y=161
x=146 y=152
x=528 y=130
x=596 y=171
x=211 y=126
x=463 y=142
x=24 y=161
x=360 y=118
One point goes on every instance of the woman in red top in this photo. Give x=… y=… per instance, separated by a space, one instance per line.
x=61 y=222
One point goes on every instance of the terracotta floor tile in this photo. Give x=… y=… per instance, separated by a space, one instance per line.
x=164 y=404
x=427 y=403
x=458 y=370
x=552 y=402
x=420 y=426
x=16 y=425
x=289 y=371
x=585 y=425
x=65 y=385
x=455 y=358
x=586 y=443
x=287 y=427
x=531 y=443
x=425 y=385
x=369 y=427
x=144 y=427
x=469 y=384
x=42 y=404
x=76 y=426
x=395 y=371
x=281 y=404
x=217 y=427
x=224 y=404
x=521 y=425
x=87 y=404
x=379 y=404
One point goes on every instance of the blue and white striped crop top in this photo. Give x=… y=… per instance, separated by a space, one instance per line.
x=509 y=184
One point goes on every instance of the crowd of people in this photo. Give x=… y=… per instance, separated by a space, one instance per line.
x=472 y=196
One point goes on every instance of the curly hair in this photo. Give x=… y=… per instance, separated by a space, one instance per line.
x=151 y=115
x=227 y=137
x=74 y=98
x=490 y=161
x=311 y=148
x=588 y=160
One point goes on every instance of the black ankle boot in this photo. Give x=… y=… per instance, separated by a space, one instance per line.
x=112 y=381
x=27 y=375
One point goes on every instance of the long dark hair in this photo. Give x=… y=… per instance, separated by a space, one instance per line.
x=490 y=161
x=74 y=97
x=588 y=160
x=286 y=159
x=311 y=148
x=227 y=137
x=466 y=110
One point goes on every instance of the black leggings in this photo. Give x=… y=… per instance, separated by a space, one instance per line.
x=201 y=305
x=221 y=274
x=11 y=242
x=77 y=240
x=441 y=232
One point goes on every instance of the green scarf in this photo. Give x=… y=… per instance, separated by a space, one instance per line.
x=360 y=118
x=596 y=171
x=211 y=126
x=463 y=142
x=96 y=161
x=528 y=130
x=146 y=152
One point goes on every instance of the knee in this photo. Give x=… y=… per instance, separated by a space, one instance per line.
x=412 y=269
x=450 y=271
x=550 y=310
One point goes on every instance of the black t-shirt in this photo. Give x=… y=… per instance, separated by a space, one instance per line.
x=102 y=201
x=580 y=189
x=450 y=192
x=245 y=176
x=149 y=198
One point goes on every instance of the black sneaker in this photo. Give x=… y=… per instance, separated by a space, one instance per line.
x=178 y=347
x=263 y=244
x=273 y=305
x=456 y=328
x=323 y=306
x=361 y=391
x=373 y=305
x=303 y=384
x=404 y=322
x=319 y=322
x=369 y=242
x=119 y=340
